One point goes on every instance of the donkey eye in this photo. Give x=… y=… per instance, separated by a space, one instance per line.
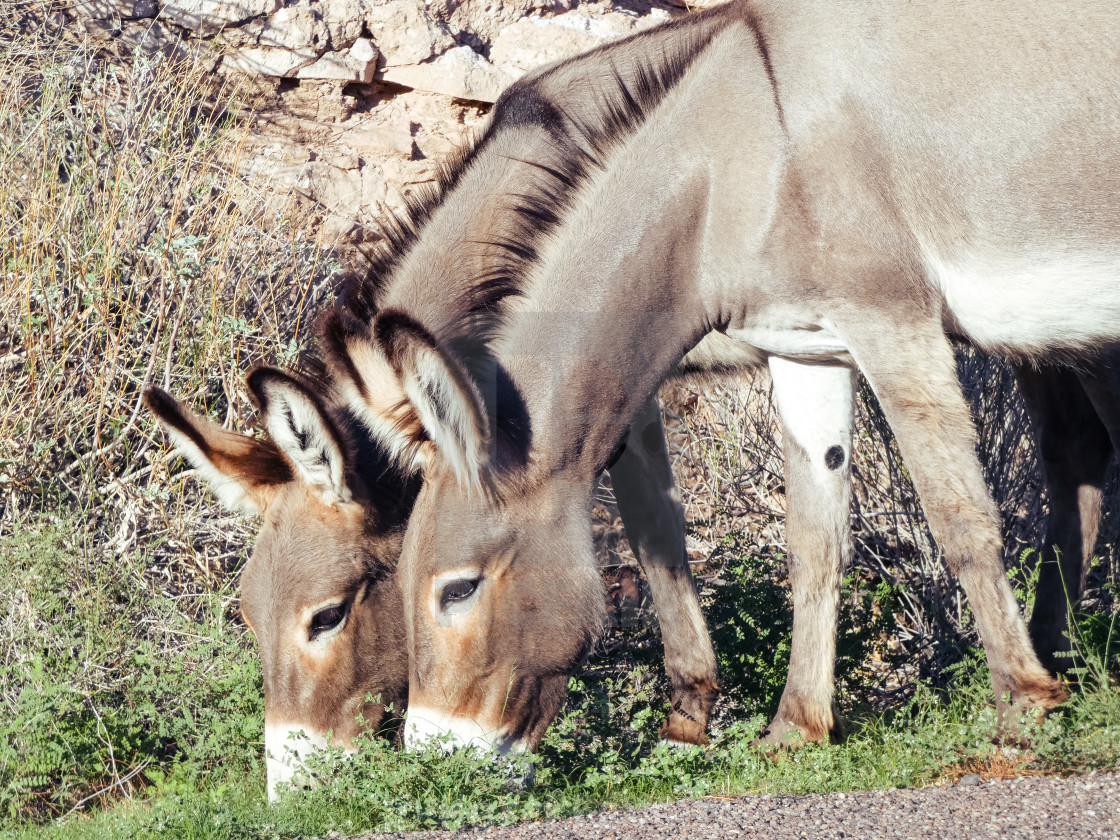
x=327 y=619
x=456 y=592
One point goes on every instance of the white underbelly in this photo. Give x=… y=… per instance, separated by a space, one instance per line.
x=793 y=340
x=1032 y=304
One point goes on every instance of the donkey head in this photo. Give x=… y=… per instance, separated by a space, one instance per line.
x=320 y=591
x=500 y=587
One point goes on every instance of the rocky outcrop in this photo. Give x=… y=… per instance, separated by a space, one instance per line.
x=359 y=100
x=209 y=17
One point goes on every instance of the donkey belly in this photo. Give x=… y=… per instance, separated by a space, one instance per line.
x=1032 y=304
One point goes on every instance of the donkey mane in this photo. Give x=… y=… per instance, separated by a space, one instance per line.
x=581 y=145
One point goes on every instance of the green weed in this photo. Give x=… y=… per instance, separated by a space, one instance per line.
x=105 y=689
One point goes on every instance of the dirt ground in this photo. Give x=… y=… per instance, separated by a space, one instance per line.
x=1035 y=808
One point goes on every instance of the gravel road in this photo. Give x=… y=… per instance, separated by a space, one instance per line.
x=1048 y=809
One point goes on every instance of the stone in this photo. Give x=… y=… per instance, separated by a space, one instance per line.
x=344 y=20
x=398 y=138
x=534 y=41
x=405 y=33
x=338 y=190
x=436 y=145
x=209 y=17
x=115 y=9
x=310 y=108
x=460 y=72
x=374 y=190
x=341 y=156
x=278 y=160
x=247 y=34
x=356 y=64
x=98 y=30
x=339 y=229
x=294 y=28
x=151 y=37
x=268 y=61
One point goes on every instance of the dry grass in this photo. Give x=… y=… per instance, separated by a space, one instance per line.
x=130 y=256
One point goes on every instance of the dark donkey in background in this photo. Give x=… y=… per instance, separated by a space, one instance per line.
x=832 y=187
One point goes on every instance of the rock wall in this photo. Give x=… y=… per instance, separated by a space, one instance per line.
x=359 y=100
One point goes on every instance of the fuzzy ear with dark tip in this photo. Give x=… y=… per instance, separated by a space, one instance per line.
x=300 y=426
x=244 y=473
x=370 y=385
x=440 y=390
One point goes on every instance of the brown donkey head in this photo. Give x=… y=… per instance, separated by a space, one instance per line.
x=502 y=613
x=320 y=591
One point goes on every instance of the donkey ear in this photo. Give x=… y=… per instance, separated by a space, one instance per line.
x=244 y=473
x=299 y=424
x=370 y=385
x=440 y=390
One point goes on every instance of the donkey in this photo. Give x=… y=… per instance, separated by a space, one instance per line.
x=1076 y=436
x=834 y=188
x=321 y=594
x=320 y=591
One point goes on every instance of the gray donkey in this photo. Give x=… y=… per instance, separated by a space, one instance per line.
x=833 y=187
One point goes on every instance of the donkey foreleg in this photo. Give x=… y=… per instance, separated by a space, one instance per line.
x=815 y=404
x=654 y=520
x=1074 y=447
x=913 y=373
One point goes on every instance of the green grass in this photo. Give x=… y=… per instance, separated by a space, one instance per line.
x=105 y=687
x=383 y=790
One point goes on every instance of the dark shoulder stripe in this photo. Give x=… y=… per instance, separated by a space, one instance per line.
x=754 y=23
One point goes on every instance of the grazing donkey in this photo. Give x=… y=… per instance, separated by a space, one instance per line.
x=320 y=591
x=1077 y=425
x=835 y=187
x=322 y=581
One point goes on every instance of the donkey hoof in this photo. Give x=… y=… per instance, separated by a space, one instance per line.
x=1043 y=694
x=682 y=731
x=786 y=734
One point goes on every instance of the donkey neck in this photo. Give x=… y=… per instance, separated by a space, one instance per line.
x=630 y=280
x=462 y=251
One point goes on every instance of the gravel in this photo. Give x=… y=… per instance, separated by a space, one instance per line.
x=1045 y=808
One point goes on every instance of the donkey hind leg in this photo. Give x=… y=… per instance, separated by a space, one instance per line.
x=1074 y=447
x=915 y=380
x=1101 y=382
x=654 y=519
x=815 y=404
